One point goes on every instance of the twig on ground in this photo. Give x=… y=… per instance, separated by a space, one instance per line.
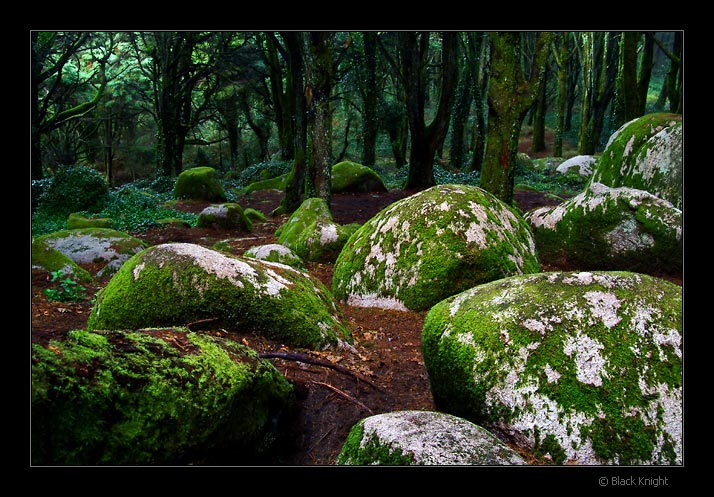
x=200 y=321
x=293 y=356
x=343 y=395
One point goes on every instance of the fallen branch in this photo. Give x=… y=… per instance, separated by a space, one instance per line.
x=200 y=321
x=292 y=356
x=343 y=395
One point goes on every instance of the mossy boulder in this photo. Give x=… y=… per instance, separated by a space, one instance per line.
x=178 y=283
x=578 y=367
x=200 y=183
x=580 y=164
x=274 y=252
x=547 y=165
x=646 y=154
x=154 y=396
x=436 y=243
x=78 y=221
x=277 y=183
x=423 y=438
x=349 y=176
x=224 y=216
x=45 y=257
x=311 y=233
x=254 y=215
x=610 y=228
x=91 y=245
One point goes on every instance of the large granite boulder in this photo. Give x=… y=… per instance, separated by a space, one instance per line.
x=225 y=216
x=423 y=438
x=178 y=283
x=578 y=367
x=436 y=243
x=580 y=164
x=610 y=228
x=274 y=252
x=348 y=176
x=105 y=246
x=646 y=154
x=154 y=396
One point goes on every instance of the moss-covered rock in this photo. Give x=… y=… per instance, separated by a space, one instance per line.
x=155 y=396
x=581 y=367
x=45 y=257
x=200 y=183
x=277 y=183
x=226 y=216
x=423 y=438
x=254 y=215
x=646 y=154
x=174 y=221
x=349 y=176
x=78 y=221
x=580 y=164
x=275 y=252
x=436 y=243
x=610 y=228
x=178 y=283
x=311 y=233
x=90 y=245
x=547 y=165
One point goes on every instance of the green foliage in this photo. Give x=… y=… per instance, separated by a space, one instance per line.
x=75 y=188
x=69 y=289
x=261 y=171
x=557 y=183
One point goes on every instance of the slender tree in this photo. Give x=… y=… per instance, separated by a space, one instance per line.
x=283 y=85
x=510 y=97
x=561 y=59
x=370 y=124
x=426 y=139
x=462 y=103
x=480 y=56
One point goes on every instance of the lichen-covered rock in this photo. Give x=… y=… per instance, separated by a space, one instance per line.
x=311 y=233
x=178 y=283
x=277 y=183
x=47 y=258
x=254 y=215
x=274 y=252
x=154 y=396
x=200 y=183
x=547 y=164
x=77 y=221
x=610 y=228
x=580 y=164
x=581 y=367
x=90 y=245
x=423 y=438
x=226 y=216
x=646 y=154
x=349 y=176
x=434 y=244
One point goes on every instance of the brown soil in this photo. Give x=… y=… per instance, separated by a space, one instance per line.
x=330 y=401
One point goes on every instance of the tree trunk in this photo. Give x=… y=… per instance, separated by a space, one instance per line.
x=295 y=185
x=36 y=171
x=370 y=124
x=628 y=93
x=462 y=106
x=283 y=95
x=541 y=106
x=481 y=76
x=318 y=64
x=645 y=73
x=674 y=76
x=562 y=60
x=510 y=97
x=425 y=140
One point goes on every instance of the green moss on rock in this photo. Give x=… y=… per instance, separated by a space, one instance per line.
x=226 y=216
x=159 y=396
x=646 y=154
x=44 y=256
x=275 y=252
x=582 y=367
x=199 y=183
x=77 y=221
x=433 y=244
x=610 y=229
x=349 y=176
x=178 y=283
x=277 y=183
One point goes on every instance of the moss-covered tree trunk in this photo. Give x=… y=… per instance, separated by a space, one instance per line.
x=541 y=107
x=370 y=124
x=318 y=64
x=510 y=96
x=674 y=75
x=481 y=77
x=462 y=106
x=562 y=62
x=295 y=185
x=426 y=139
x=282 y=88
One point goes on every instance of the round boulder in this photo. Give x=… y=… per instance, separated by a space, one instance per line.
x=610 y=228
x=580 y=164
x=349 y=176
x=423 y=438
x=433 y=244
x=225 y=216
x=646 y=154
x=178 y=283
x=274 y=252
x=578 y=367
x=200 y=183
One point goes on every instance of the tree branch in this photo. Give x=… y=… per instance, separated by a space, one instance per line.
x=344 y=395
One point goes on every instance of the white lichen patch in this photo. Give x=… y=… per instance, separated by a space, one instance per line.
x=590 y=364
x=374 y=300
x=433 y=438
x=265 y=251
x=604 y=306
x=328 y=233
